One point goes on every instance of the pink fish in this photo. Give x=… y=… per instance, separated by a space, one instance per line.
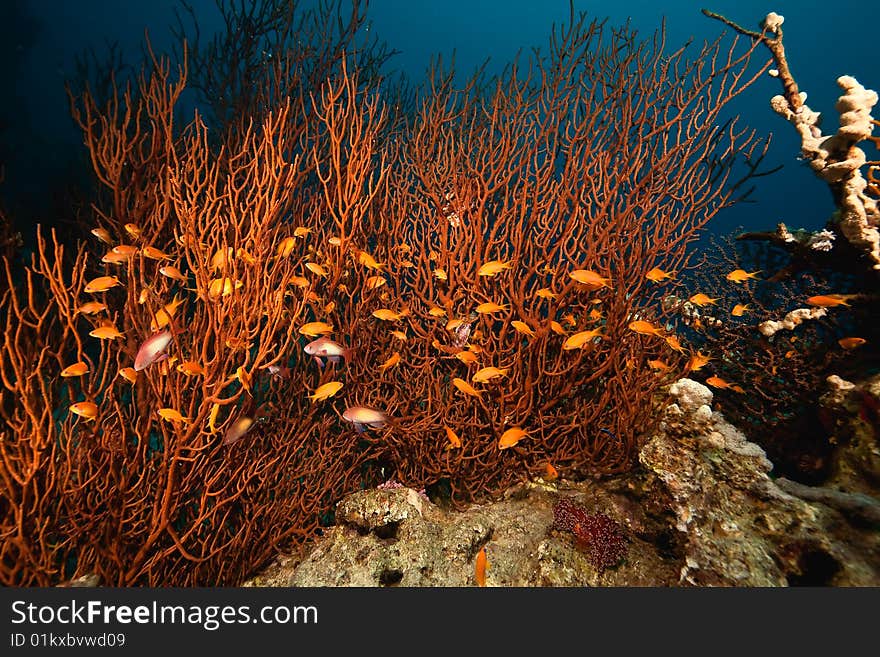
x=362 y=418
x=324 y=347
x=152 y=350
x=462 y=333
x=279 y=371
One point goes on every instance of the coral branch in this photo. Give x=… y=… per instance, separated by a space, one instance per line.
x=835 y=158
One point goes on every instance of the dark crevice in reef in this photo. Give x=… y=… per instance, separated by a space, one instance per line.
x=390 y=577
x=387 y=531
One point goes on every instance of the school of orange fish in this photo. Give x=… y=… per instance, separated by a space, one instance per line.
x=154 y=349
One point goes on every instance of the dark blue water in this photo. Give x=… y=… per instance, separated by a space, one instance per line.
x=41 y=38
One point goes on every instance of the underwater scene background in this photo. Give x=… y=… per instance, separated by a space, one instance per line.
x=266 y=254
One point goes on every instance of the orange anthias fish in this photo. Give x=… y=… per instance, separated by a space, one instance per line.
x=369 y=261
x=828 y=300
x=314 y=329
x=848 y=343
x=190 y=368
x=490 y=307
x=590 y=278
x=717 y=382
x=645 y=328
x=325 y=391
x=111 y=258
x=212 y=418
x=454 y=440
x=91 y=308
x=701 y=299
x=487 y=374
x=155 y=254
x=581 y=339
x=545 y=293
x=389 y=315
x=222 y=287
x=374 y=282
x=244 y=378
x=480 y=565
x=391 y=362
x=85 y=409
x=133 y=230
x=657 y=275
x=511 y=437
x=285 y=247
x=163 y=316
x=740 y=309
x=245 y=255
x=672 y=341
x=658 y=365
x=696 y=362
x=315 y=268
x=557 y=328
x=741 y=275
x=493 y=267
x=129 y=374
x=523 y=328
x=221 y=258
x=102 y=234
x=454 y=323
x=77 y=369
x=301 y=231
x=171 y=415
x=465 y=387
x=106 y=332
x=436 y=311
x=440 y=274
x=466 y=357
x=101 y=284
x=124 y=250
x=550 y=473
x=173 y=272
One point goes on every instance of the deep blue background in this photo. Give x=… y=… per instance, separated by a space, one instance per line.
x=824 y=40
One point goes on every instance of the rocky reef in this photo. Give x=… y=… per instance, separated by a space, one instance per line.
x=701 y=510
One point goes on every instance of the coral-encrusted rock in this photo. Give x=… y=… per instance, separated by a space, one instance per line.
x=418 y=544
x=741 y=528
x=689 y=395
x=383 y=509
x=851 y=414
